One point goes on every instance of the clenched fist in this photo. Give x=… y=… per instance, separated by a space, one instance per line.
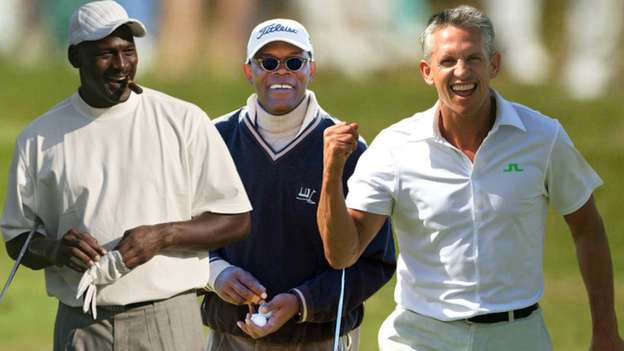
x=340 y=141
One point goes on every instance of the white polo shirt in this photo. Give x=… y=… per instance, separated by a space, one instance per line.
x=471 y=236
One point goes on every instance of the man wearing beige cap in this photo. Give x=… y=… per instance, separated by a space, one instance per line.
x=276 y=141
x=133 y=191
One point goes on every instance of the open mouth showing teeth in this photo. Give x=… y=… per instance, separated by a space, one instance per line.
x=464 y=89
x=119 y=80
x=280 y=86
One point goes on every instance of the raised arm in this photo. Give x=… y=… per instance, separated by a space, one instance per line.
x=594 y=258
x=345 y=233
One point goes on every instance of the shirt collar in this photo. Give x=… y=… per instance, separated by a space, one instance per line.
x=505 y=113
x=425 y=125
x=313 y=109
x=101 y=114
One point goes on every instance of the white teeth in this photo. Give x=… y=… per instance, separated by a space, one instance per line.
x=281 y=86
x=463 y=87
x=118 y=79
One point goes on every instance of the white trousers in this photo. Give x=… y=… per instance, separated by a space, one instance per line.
x=406 y=330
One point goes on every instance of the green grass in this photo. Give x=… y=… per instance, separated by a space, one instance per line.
x=27 y=314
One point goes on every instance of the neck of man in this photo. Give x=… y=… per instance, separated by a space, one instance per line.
x=279 y=130
x=467 y=132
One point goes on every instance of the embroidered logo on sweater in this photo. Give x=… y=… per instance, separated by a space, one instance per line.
x=306 y=195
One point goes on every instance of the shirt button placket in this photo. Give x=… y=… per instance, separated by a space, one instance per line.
x=477 y=209
x=476 y=197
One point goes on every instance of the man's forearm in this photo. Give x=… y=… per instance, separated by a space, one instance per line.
x=594 y=259
x=337 y=228
x=372 y=270
x=345 y=233
x=35 y=256
x=207 y=231
x=596 y=268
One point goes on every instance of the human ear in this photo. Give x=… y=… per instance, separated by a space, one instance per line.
x=73 y=55
x=312 y=69
x=248 y=73
x=495 y=64
x=425 y=70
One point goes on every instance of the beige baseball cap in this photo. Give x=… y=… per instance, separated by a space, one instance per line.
x=279 y=29
x=96 y=20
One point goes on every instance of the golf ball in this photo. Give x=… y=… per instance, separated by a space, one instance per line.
x=267 y=315
x=259 y=319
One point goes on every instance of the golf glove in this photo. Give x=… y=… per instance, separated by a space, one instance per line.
x=106 y=271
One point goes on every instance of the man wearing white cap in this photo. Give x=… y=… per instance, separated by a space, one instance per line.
x=133 y=191
x=276 y=141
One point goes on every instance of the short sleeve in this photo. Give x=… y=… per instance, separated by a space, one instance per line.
x=373 y=183
x=217 y=186
x=570 y=180
x=19 y=211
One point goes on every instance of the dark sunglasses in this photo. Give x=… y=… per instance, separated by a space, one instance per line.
x=271 y=64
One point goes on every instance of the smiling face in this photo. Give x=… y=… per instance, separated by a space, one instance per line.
x=105 y=67
x=461 y=70
x=280 y=91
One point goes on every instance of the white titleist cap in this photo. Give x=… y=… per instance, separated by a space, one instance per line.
x=278 y=29
x=96 y=20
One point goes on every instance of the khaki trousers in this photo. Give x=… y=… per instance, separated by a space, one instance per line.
x=169 y=325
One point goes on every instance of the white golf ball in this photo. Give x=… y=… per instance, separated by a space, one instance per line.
x=267 y=315
x=259 y=319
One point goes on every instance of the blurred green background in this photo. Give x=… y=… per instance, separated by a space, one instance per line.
x=27 y=314
x=374 y=101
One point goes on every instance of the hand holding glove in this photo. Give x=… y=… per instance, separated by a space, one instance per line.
x=106 y=271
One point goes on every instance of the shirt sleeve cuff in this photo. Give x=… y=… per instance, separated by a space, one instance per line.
x=216 y=267
x=304 y=314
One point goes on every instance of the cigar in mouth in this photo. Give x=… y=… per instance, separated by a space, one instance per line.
x=135 y=87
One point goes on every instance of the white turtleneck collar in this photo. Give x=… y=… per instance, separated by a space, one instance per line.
x=279 y=130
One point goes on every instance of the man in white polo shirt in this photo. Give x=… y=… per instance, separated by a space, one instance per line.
x=468 y=183
x=136 y=188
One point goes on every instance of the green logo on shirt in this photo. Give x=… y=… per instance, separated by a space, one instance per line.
x=513 y=167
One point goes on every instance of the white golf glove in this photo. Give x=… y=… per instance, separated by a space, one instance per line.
x=106 y=271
